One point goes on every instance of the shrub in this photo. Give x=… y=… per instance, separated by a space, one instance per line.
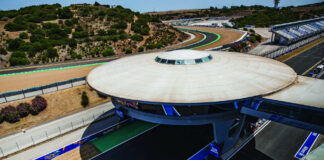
x=18 y=58
x=258 y=38
x=140 y=49
x=4 y=18
x=23 y=35
x=252 y=31
x=108 y=52
x=1 y=117
x=3 y=51
x=252 y=39
x=101 y=32
x=84 y=99
x=23 y=109
x=15 y=44
x=10 y=114
x=38 y=105
x=128 y=51
x=137 y=37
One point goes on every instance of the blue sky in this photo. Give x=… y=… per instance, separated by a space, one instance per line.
x=155 y=5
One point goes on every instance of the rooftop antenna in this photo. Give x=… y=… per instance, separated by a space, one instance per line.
x=276 y=3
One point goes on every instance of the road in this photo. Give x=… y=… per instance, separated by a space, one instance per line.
x=278 y=141
x=275 y=142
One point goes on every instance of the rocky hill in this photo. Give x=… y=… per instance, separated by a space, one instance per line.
x=51 y=33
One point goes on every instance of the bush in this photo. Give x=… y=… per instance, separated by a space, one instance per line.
x=84 y=99
x=10 y=114
x=38 y=105
x=252 y=39
x=252 y=31
x=108 y=52
x=140 y=49
x=3 y=51
x=258 y=38
x=128 y=51
x=23 y=109
x=137 y=37
x=101 y=32
x=18 y=58
x=1 y=117
x=72 y=43
x=23 y=35
x=15 y=44
x=4 y=18
x=82 y=34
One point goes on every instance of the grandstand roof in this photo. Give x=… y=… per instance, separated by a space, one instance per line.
x=225 y=76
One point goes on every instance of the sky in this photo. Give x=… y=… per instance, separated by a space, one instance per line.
x=156 y=5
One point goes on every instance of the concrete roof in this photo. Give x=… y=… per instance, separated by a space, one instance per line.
x=305 y=91
x=228 y=76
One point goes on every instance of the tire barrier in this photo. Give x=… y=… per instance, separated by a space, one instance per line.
x=35 y=91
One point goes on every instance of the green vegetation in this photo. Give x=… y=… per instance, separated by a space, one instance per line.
x=18 y=58
x=80 y=31
x=84 y=99
x=23 y=35
x=108 y=52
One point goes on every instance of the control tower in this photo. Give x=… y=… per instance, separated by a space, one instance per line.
x=187 y=87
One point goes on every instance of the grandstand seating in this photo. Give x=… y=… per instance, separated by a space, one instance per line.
x=296 y=31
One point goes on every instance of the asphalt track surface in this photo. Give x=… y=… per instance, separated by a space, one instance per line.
x=209 y=38
x=274 y=142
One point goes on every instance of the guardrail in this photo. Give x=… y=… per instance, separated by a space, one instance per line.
x=35 y=91
x=38 y=135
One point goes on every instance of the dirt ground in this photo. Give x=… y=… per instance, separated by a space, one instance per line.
x=227 y=36
x=23 y=81
x=59 y=104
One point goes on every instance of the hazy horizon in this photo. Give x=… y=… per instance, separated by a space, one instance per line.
x=157 y=5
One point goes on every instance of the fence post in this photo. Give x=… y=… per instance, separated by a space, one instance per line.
x=83 y=120
x=17 y=145
x=46 y=134
x=59 y=130
x=2 y=152
x=72 y=125
x=32 y=140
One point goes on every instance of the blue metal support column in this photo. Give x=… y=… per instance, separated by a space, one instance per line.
x=226 y=132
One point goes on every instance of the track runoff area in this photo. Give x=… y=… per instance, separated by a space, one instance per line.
x=209 y=38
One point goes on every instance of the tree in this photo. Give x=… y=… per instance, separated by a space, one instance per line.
x=65 y=13
x=96 y=3
x=84 y=99
x=23 y=35
x=79 y=28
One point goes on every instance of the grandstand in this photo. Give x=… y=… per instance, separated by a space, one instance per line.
x=289 y=33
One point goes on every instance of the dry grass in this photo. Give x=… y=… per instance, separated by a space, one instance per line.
x=59 y=104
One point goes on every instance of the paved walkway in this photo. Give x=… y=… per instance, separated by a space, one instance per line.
x=35 y=135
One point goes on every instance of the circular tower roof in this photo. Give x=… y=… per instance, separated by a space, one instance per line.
x=187 y=76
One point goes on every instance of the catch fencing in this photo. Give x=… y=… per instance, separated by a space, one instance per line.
x=35 y=91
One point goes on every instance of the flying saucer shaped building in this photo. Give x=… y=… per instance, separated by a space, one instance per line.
x=186 y=87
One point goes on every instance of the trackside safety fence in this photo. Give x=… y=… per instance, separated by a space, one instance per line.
x=42 y=135
x=83 y=141
x=35 y=91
